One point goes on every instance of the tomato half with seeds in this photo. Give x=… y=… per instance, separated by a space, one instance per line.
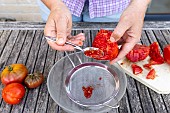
x=166 y=54
x=13 y=93
x=151 y=74
x=138 y=53
x=103 y=42
x=136 y=69
x=155 y=53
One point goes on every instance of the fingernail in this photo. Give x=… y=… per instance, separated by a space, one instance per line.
x=60 y=40
x=112 y=39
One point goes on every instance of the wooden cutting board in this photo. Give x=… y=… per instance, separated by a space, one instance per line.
x=161 y=84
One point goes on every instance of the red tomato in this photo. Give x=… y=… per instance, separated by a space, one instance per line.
x=155 y=53
x=151 y=74
x=147 y=66
x=14 y=73
x=138 y=53
x=166 y=54
x=102 y=41
x=136 y=69
x=13 y=93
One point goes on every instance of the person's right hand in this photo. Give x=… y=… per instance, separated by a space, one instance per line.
x=59 y=25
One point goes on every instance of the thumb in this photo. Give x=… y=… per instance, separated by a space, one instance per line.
x=120 y=29
x=61 y=27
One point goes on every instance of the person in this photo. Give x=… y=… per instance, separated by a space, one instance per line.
x=129 y=15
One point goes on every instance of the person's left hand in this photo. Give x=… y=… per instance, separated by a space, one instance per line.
x=128 y=31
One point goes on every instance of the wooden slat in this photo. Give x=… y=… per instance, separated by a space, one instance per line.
x=61 y=111
x=3 y=40
x=17 y=47
x=166 y=34
x=124 y=105
x=26 y=48
x=5 y=108
x=1 y=31
x=133 y=96
x=52 y=106
x=32 y=67
x=87 y=39
x=145 y=98
x=42 y=101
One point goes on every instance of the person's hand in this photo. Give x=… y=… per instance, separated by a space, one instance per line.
x=128 y=31
x=59 y=25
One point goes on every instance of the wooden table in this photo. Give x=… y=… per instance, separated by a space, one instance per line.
x=22 y=42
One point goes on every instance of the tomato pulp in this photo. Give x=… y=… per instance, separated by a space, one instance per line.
x=87 y=91
x=96 y=54
x=103 y=42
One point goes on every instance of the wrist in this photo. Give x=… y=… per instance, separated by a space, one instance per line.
x=57 y=5
x=52 y=4
x=142 y=3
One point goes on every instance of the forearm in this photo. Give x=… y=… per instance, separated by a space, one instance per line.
x=51 y=3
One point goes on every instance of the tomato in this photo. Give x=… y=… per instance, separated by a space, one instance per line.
x=103 y=42
x=155 y=53
x=151 y=74
x=13 y=93
x=147 y=66
x=136 y=69
x=138 y=53
x=34 y=80
x=166 y=54
x=14 y=73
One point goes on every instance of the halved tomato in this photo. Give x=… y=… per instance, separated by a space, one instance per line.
x=166 y=54
x=138 y=53
x=151 y=74
x=103 y=42
x=155 y=53
x=136 y=69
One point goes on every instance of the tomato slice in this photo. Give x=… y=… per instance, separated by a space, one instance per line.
x=155 y=53
x=136 y=69
x=151 y=74
x=152 y=62
x=138 y=53
x=147 y=66
x=102 y=41
x=166 y=54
